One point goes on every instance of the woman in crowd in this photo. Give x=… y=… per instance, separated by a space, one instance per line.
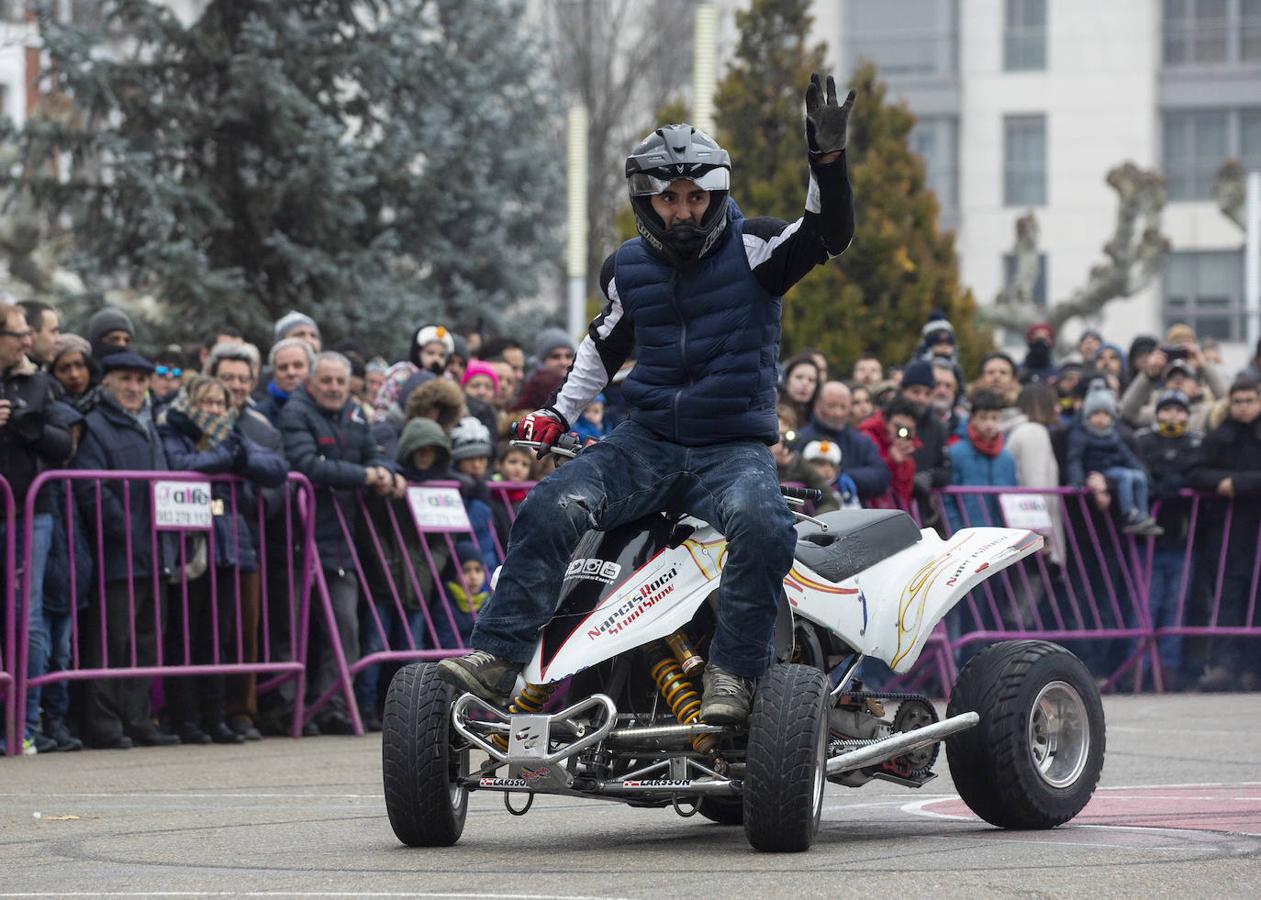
x=801 y=386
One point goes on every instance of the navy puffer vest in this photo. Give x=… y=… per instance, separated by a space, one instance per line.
x=706 y=344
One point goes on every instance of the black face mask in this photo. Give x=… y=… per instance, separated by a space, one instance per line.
x=685 y=241
x=1039 y=355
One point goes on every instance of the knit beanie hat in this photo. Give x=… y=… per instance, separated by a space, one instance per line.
x=1040 y=331
x=549 y=339
x=419 y=433
x=470 y=439
x=1180 y=333
x=434 y=334
x=919 y=372
x=290 y=321
x=1172 y=397
x=1099 y=399
x=937 y=329
x=70 y=343
x=477 y=367
x=111 y=318
x=822 y=450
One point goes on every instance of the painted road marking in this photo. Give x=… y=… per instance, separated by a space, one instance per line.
x=1231 y=808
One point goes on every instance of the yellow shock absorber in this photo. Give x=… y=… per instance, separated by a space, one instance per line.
x=532 y=699
x=681 y=697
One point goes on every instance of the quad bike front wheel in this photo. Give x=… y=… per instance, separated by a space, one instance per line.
x=420 y=761
x=1034 y=759
x=786 y=758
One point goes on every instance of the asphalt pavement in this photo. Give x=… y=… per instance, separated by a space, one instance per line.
x=1178 y=814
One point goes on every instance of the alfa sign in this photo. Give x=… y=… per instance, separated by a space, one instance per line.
x=182 y=505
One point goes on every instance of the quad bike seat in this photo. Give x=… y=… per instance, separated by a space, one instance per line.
x=856 y=539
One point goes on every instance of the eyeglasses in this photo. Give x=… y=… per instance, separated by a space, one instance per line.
x=168 y=371
x=20 y=335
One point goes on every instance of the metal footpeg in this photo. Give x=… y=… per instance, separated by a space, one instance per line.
x=900 y=743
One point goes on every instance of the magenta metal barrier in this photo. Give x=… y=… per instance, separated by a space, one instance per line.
x=393 y=553
x=8 y=614
x=229 y=659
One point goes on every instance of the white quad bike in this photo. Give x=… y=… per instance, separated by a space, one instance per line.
x=1024 y=728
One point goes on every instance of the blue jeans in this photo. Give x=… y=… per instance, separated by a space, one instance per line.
x=1131 y=488
x=56 y=697
x=368 y=684
x=1167 y=565
x=37 y=635
x=631 y=473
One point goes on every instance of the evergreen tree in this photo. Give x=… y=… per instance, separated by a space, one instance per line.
x=374 y=163
x=877 y=295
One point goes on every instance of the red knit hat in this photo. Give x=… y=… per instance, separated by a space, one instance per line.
x=1040 y=328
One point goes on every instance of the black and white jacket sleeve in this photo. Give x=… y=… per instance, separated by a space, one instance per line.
x=780 y=254
x=609 y=343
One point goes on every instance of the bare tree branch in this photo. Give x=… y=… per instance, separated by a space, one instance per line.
x=1133 y=257
x=1229 y=191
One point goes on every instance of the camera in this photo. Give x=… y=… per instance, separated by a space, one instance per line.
x=25 y=424
x=1175 y=352
x=904 y=433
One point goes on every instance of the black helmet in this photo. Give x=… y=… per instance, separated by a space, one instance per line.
x=679 y=152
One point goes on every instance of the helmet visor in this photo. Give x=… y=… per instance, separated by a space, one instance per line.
x=643 y=184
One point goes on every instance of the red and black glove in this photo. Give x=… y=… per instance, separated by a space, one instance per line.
x=544 y=426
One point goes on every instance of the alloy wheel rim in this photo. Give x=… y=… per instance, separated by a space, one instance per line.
x=1059 y=734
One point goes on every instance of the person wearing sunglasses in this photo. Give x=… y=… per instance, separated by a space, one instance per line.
x=168 y=375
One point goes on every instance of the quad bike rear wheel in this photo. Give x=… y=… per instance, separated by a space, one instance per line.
x=722 y=810
x=786 y=759
x=1034 y=759
x=420 y=761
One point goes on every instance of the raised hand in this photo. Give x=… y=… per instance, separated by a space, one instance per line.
x=825 y=118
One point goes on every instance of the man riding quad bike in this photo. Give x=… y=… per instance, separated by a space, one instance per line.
x=696 y=299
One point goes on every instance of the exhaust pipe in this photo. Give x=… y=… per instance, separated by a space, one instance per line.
x=897 y=744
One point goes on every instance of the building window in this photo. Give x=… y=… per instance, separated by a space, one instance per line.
x=1195 y=143
x=936 y=140
x=1024 y=35
x=903 y=37
x=1024 y=160
x=1211 y=32
x=1205 y=290
x=1039 y=284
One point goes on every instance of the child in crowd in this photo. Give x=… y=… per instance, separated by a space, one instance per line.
x=1095 y=446
x=591 y=425
x=424 y=451
x=512 y=464
x=466 y=595
x=825 y=458
x=980 y=459
x=470 y=457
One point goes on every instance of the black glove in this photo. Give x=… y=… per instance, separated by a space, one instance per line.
x=825 y=120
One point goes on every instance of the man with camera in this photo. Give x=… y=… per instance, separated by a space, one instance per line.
x=30 y=441
x=1177 y=365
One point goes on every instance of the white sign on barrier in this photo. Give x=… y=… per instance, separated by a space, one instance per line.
x=182 y=505
x=1026 y=511
x=438 y=509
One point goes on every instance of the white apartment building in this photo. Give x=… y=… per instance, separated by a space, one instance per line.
x=1026 y=104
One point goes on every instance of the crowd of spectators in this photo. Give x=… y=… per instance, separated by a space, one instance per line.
x=1132 y=429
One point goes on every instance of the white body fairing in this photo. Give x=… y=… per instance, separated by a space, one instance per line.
x=887 y=611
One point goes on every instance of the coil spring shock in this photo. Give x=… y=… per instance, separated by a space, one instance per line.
x=530 y=700
x=681 y=697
